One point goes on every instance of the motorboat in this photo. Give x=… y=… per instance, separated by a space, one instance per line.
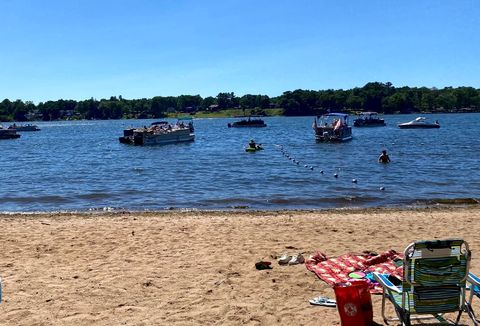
x=27 y=127
x=332 y=127
x=419 y=123
x=159 y=134
x=247 y=123
x=369 y=119
x=7 y=133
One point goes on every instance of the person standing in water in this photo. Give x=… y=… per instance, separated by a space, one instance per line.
x=384 y=158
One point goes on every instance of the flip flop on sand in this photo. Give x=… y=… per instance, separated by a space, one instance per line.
x=323 y=301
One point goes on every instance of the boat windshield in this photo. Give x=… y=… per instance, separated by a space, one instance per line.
x=369 y=115
x=332 y=120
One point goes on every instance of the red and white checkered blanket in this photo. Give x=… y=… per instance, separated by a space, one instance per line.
x=336 y=270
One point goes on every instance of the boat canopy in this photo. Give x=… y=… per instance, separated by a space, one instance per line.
x=343 y=115
x=420 y=119
x=159 y=123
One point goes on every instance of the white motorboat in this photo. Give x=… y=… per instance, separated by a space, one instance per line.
x=419 y=123
x=332 y=127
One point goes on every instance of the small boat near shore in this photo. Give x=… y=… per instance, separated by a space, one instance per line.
x=248 y=123
x=7 y=133
x=419 y=123
x=332 y=127
x=27 y=127
x=159 y=133
x=369 y=119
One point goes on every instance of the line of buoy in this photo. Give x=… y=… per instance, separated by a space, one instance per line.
x=310 y=167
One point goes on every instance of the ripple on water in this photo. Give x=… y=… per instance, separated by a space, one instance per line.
x=79 y=165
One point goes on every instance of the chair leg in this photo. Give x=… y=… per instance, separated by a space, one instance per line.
x=385 y=319
x=458 y=317
x=406 y=319
x=403 y=317
x=471 y=313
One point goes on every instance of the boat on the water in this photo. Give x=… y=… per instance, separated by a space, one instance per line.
x=419 y=123
x=248 y=123
x=27 y=127
x=332 y=127
x=369 y=119
x=7 y=133
x=159 y=133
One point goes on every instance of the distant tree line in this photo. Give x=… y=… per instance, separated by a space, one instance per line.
x=375 y=96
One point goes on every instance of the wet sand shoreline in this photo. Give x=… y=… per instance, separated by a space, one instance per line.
x=196 y=267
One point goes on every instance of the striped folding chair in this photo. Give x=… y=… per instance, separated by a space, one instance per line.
x=434 y=281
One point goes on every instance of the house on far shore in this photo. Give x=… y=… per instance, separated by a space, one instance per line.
x=190 y=109
x=213 y=107
x=34 y=115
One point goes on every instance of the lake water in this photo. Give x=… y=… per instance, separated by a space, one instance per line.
x=81 y=166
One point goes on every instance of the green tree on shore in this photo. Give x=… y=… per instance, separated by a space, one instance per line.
x=374 y=96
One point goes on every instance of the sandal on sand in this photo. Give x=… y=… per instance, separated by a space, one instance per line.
x=323 y=301
x=263 y=265
x=284 y=259
x=297 y=259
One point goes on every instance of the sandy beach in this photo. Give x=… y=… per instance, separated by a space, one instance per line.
x=197 y=268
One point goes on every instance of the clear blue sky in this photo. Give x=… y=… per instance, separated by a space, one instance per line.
x=77 y=49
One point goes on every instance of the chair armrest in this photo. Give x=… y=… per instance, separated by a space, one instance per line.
x=472 y=278
x=383 y=280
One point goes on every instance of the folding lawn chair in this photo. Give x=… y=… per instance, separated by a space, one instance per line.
x=474 y=282
x=434 y=281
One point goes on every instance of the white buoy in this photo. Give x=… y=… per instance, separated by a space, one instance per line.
x=354 y=180
x=335 y=175
x=382 y=188
x=311 y=168
x=321 y=171
x=306 y=166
